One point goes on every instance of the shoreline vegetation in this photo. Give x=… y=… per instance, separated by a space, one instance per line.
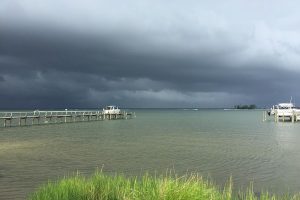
x=147 y=187
x=246 y=107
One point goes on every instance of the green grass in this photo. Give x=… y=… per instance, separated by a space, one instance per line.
x=167 y=187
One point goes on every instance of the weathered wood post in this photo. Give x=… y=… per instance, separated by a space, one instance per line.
x=45 y=117
x=11 y=118
x=74 y=118
x=25 y=119
x=265 y=115
x=20 y=117
x=66 y=115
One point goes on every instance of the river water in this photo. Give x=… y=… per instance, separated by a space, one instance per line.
x=215 y=143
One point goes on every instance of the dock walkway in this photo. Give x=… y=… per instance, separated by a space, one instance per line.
x=289 y=116
x=38 y=117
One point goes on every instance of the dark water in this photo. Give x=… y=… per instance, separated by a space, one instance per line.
x=215 y=143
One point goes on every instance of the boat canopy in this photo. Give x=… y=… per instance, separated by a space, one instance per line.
x=111 y=107
x=285 y=105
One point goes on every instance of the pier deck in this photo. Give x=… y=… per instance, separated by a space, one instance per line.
x=8 y=119
x=290 y=116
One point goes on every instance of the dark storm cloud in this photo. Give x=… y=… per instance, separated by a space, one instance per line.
x=173 y=55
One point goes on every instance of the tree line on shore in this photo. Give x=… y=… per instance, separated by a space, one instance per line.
x=251 y=106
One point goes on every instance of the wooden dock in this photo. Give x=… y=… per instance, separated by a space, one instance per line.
x=8 y=119
x=290 y=116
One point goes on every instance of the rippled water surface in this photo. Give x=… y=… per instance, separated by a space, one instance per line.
x=215 y=143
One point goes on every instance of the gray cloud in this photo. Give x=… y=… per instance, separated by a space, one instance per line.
x=147 y=53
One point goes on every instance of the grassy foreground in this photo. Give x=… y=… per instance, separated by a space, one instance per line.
x=168 y=187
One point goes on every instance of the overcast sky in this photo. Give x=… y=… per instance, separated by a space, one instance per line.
x=89 y=53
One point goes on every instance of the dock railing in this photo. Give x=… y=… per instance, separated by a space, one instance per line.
x=38 y=117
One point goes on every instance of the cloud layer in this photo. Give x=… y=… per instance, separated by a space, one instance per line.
x=63 y=54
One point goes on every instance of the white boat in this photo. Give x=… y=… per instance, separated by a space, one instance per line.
x=111 y=110
x=284 y=109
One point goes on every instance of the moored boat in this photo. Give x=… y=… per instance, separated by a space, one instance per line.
x=284 y=109
x=111 y=110
x=281 y=108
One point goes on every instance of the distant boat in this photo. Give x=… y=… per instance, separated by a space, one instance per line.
x=111 y=110
x=195 y=109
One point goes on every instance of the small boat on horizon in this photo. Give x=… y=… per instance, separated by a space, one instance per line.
x=194 y=109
